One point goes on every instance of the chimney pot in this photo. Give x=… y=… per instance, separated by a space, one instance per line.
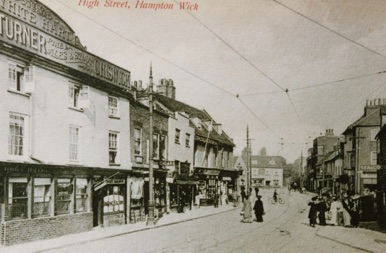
x=140 y=85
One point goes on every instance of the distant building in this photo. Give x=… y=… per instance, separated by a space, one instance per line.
x=265 y=170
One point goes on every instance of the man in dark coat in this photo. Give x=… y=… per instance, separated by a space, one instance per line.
x=322 y=208
x=259 y=209
x=313 y=211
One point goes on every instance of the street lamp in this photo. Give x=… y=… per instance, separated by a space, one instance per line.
x=151 y=204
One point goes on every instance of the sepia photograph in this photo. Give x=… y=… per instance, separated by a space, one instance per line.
x=192 y=126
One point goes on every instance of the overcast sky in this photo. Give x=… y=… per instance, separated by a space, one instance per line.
x=255 y=49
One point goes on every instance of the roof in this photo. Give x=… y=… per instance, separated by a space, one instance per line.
x=328 y=157
x=371 y=119
x=177 y=106
x=268 y=161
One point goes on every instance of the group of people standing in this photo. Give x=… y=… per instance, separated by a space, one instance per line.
x=258 y=207
x=341 y=212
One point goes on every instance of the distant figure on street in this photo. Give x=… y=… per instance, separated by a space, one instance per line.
x=247 y=210
x=275 y=195
x=259 y=209
x=215 y=199
x=355 y=211
x=243 y=195
x=313 y=211
x=346 y=210
x=235 y=197
x=322 y=208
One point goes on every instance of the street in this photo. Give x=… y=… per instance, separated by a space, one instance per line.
x=284 y=229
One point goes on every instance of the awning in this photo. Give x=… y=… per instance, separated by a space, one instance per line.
x=226 y=179
x=186 y=182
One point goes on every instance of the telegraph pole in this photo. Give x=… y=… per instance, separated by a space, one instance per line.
x=150 y=219
x=249 y=161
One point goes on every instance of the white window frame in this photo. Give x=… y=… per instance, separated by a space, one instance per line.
x=74 y=143
x=17 y=138
x=114 y=147
x=138 y=139
x=16 y=77
x=113 y=104
x=74 y=91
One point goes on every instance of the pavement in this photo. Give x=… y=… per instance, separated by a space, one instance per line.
x=356 y=238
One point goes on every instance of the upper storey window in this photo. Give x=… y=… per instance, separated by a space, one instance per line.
x=20 y=78
x=113 y=107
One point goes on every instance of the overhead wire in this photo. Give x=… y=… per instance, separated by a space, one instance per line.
x=329 y=29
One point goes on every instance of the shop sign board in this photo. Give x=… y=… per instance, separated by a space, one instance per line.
x=27 y=25
x=166 y=163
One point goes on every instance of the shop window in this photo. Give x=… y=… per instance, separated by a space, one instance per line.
x=177 y=136
x=42 y=196
x=17 y=198
x=114 y=201
x=74 y=143
x=81 y=195
x=113 y=148
x=64 y=190
x=16 y=137
x=113 y=107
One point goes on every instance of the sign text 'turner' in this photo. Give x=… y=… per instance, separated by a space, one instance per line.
x=21 y=25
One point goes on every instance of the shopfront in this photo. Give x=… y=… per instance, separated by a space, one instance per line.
x=208 y=185
x=44 y=201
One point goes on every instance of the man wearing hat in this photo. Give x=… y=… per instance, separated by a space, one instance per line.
x=322 y=208
x=259 y=209
x=313 y=211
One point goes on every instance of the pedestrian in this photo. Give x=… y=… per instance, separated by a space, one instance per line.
x=335 y=208
x=247 y=210
x=355 y=211
x=275 y=195
x=215 y=199
x=346 y=203
x=322 y=208
x=243 y=194
x=259 y=209
x=235 y=197
x=313 y=211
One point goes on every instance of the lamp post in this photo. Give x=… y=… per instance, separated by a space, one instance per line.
x=151 y=204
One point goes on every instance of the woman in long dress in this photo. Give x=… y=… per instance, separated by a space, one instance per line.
x=247 y=210
x=335 y=208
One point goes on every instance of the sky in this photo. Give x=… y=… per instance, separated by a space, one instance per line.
x=288 y=70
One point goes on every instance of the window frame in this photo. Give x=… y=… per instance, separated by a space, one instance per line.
x=74 y=95
x=81 y=196
x=177 y=136
x=113 y=148
x=46 y=198
x=187 y=140
x=137 y=141
x=75 y=145
x=22 y=136
x=113 y=110
x=23 y=200
x=67 y=198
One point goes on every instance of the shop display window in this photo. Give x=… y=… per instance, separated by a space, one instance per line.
x=114 y=201
x=42 y=196
x=64 y=191
x=81 y=195
x=17 y=198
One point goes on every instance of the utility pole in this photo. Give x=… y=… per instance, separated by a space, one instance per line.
x=249 y=161
x=301 y=171
x=150 y=219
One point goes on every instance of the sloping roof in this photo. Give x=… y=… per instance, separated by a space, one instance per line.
x=325 y=158
x=267 y=161
x=367 y=120
x=177 y=106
